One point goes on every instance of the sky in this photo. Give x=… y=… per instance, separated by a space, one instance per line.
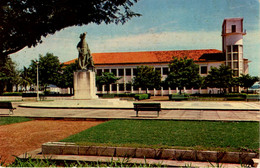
x=164 y=25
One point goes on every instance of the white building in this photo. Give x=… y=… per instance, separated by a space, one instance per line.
x=124 y=64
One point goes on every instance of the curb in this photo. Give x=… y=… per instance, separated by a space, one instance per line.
x=63 y=148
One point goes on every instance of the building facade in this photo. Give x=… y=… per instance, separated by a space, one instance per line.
x=124 y=64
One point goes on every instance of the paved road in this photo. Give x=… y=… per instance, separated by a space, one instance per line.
x=211 y=114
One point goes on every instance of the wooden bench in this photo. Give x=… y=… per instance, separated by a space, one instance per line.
x=7 y=105
x=147 y=107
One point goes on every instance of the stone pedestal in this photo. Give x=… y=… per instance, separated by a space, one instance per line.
x=85 y=85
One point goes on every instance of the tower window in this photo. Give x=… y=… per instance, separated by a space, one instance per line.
x=229 y=56
x=229 y=48
x=235 y=56
x=235 y=64
x=233 y=28
x=235 y=48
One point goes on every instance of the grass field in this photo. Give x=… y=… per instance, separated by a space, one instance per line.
x=11 y=120
x=201 y=135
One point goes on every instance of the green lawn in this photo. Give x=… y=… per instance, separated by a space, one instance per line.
x=11 y=120
x=205 y=135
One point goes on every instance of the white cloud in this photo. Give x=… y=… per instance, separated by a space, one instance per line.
x=159 y=41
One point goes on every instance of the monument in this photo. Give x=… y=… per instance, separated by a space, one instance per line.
x=84 y=78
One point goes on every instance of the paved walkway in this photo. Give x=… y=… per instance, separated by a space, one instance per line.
x=251 y=114
x=123 y=104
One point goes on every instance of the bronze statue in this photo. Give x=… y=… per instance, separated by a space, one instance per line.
x=85 y=57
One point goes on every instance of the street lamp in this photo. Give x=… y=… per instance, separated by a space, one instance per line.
x=37 y=87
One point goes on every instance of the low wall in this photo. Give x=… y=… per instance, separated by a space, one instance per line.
x=62 y=148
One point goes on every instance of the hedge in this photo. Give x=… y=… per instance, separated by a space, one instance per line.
x=12 y=94
x=142 y=96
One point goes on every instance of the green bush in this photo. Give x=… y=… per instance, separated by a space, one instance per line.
x=12 y=94
x=108 y=96
x=141 y=96
x=178 y=96
x=31 y=94
x=243 y=95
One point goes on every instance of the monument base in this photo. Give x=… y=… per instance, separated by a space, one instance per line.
x=85 y=85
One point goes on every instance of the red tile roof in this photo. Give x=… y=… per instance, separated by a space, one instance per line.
x=146 y=56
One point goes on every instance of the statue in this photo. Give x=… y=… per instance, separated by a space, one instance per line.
x=85 y=57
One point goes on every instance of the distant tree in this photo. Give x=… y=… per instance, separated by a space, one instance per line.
x=25 y=78
x=147 y=78
x=246 y=81
x=183 y=73
x=106 y=79
x=221 y=78
x=8 y=76
x=49 y=70
x=23 y=23
x=67 y=75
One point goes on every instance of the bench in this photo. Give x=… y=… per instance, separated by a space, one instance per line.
x=147 y=107
x=7 y=105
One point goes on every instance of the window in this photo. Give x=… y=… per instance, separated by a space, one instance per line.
x=99 y=72
x=106 y=70
x=107 y=88
x=128 y=72
x=235 y=48
x=235 y=56
x=128 y=87
x=235 y=64
x=134 y=71
x=114 y=72
x=99 y=87
x=203 y=70
x=158 y=69
x=136 y=88
x=114 y=87
x=165 y=71
x=121 y=87
x=120 y=72
x=229 y=57
x=233 y=28
x=229 y=48
x=229 y=64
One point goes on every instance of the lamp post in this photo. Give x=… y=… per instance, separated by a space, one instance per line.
x=37 y=85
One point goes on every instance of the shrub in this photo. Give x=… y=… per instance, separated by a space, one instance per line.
x=141 y=96
x=108 y=96
x=12 y=94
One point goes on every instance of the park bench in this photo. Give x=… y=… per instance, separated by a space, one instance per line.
x=7 y=105
x=147 y=107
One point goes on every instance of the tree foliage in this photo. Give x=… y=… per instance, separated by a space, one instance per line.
x=183 y=73
x=247 y=81
x=67 y=75
x=147 y=78
x=106 y=79
x=221 y=78
x=49 y=70
x=24 y=22
x=9 y=75
x=25 y=77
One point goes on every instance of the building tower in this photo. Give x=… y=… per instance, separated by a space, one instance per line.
x=232 y=45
